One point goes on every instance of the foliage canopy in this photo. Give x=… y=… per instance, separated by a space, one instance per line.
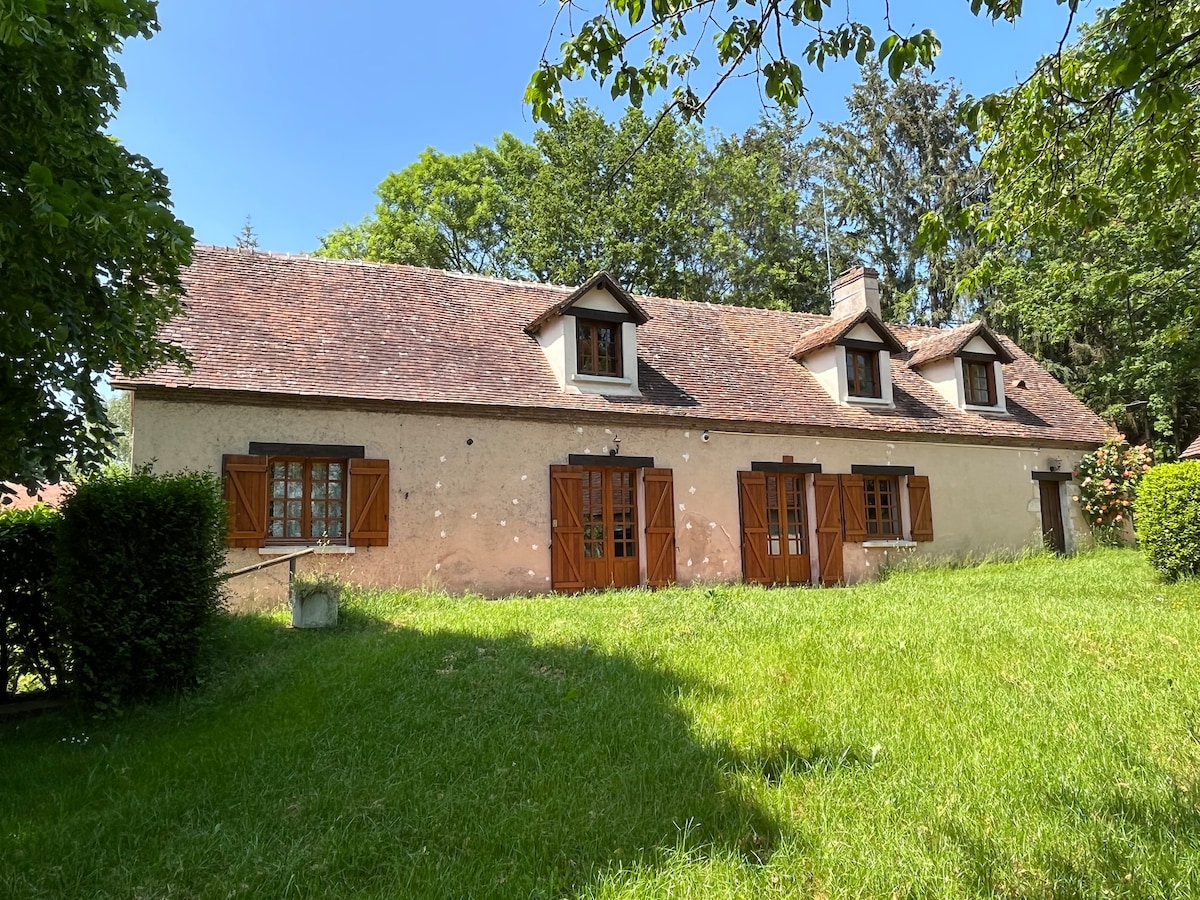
x=90 y=251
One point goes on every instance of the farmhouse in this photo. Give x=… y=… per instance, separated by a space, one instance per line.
x=433 y=428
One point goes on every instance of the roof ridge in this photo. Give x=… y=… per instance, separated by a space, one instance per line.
x=374 y=264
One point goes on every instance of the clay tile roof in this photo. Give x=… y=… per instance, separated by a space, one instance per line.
x=951 y=342
x=261 y=325
x=599 y=280
x=831 y=333
x=1193 y=450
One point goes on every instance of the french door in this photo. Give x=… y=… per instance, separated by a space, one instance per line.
x=774 y=528
x=610 y=536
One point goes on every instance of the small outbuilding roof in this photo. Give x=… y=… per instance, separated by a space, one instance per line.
x=1193 y=450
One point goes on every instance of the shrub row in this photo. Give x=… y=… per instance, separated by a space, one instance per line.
x=135 y=583
x=1168 y=517
x=33 y=640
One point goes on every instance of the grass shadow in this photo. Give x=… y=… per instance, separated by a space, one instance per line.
x=377 y=760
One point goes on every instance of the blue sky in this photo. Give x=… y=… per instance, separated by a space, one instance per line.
x=292 y=112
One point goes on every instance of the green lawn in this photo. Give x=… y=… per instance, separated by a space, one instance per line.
x=1029 y=729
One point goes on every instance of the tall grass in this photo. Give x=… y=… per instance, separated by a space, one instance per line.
x=1029 y=729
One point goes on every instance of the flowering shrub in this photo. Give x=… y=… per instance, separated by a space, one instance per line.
x=1108 y=481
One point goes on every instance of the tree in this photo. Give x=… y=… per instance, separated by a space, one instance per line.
x=903 y=153
x=747 y=35
x=765 y=243
x=1139 y=62
x=120 y=413
x=586 y=210
x=90 y=252
x=247 y=238
x=445 y=211
x=660 y=209
x=1096 y=244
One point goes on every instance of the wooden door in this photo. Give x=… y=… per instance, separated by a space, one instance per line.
x=829 y=527
x=660 y=527
x=1053 y=534
x=610 y=538
x=774 y=528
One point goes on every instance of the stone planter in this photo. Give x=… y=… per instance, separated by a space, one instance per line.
x=315 y=602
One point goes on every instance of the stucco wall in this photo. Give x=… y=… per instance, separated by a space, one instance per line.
x=470 y=496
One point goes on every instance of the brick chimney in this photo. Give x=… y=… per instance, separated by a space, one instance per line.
x=854 y=290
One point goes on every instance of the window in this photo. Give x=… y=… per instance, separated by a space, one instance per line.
x=306 y=493
x=598 y=347
x=785 y=515
x=307 y=500
x=980 y=381
x=881 y=498
x=862 y=373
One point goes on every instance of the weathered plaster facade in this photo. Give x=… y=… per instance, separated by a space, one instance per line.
x=470 y=504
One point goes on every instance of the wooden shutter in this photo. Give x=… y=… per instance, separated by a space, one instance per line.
x=660 y=527
x=566 y=528
x=369 y=500
x=854 y=516
x=829 y=528
x=246 y=499
x=752 y=499
x=919 y=508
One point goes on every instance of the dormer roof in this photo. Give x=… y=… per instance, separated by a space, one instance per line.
x=952 y=342
x=603 y=281
x=837 y=330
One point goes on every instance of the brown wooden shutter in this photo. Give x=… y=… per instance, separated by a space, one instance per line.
x=369 y=501
x=660 y=527
x=566 y=528
x=246 y=499
x=919 y=508
x=829 y=528
x=854 y=516
x=752 y=499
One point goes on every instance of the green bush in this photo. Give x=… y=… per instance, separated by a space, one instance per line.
x=1168 y=519
x=33 y=643
x=139 y=579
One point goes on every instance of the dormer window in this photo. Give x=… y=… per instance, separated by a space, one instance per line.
x=979 y=380
x=862 y=373
x=851 y=358
x=589 y=338
x=965 y=365
x=598 y=347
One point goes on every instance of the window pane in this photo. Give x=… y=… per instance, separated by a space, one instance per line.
x=335 y=471
x=335 y=509
x=335 y=489
x=295 y=488
x=295 y=509
x=335 y=528
x=277 y=488
x=295 y=471
x=318 y=471
x=318 y=489
x=317 y=508
x=276 y=529
x=293 y=528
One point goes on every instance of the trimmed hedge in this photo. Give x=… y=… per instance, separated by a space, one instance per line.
x=139 y=580
x=1168 y=519
x=33 y=642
